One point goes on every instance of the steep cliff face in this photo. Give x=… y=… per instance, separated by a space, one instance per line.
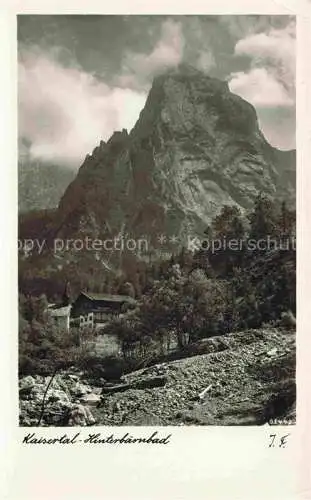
x=195 y=147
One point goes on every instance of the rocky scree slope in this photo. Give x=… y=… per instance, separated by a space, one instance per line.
x=243 y=378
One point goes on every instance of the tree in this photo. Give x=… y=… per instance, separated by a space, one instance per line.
x=28 y=308
x=164 y=304
x=208 y=302
x=245 y=301
x=225 y=248
x=263 y=219
x=228 y=224
x=286 y=222
x=41 y=305
x=127 y=288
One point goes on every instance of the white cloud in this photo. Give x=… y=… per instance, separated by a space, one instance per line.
x=270 y=81
x=260 y=88
x=65 y=112
x=272 y=66
x=278 y=44
x=275 y=49
x=205 y=61
x=140 y=68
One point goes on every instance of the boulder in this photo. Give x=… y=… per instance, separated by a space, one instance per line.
x=57 y=395
x=26 y=384
x=80 y=416
x=91 y=399
x=150 y=382
x=272 y=352
x=79 y=390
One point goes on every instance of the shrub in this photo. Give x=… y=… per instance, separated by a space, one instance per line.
x=44 y=348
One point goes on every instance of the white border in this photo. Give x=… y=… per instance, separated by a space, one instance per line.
x=200 y=463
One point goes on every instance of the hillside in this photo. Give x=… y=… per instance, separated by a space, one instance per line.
x=41 y=185
x=249 y=378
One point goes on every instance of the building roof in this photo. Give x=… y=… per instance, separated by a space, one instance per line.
x=107 y=297
x=60 y=311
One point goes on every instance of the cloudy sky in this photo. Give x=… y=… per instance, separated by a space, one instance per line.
x=82 y=77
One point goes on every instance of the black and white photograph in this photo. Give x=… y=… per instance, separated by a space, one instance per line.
x=156 y=220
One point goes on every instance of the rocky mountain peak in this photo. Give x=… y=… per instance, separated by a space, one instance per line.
x=187 y=101
x=186 y=72
x=118 y=137
x=195 y=147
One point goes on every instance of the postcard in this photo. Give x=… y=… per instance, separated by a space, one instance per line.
x=160 y=183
